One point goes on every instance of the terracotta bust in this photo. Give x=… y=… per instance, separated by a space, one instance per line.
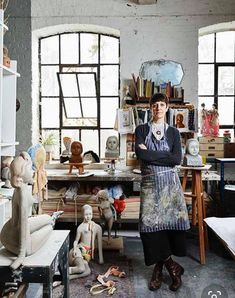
x=24 y=234
x=84 y=245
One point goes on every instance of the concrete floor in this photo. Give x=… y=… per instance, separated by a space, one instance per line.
x=218 y=272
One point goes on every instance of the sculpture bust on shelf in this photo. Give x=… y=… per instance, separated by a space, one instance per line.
x=112 y=147
x=192 y=157
x=84 y=245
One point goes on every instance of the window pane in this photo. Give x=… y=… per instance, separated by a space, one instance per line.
x=87 y=84
x=108 y=108
x=72 y=107
x=206 y=79
x=89 y=106
x=79 y=69
x=226 y=81
x=104 y=134
x=109 y=49
x=68 y=84
x=49 y=82
x=225 y=46
x=69 y=48
x=89 y=48
x=89 y=139
x=226 y=110
x=50 y=50
x=109 y=80
x=206 y=48
x=50 y=112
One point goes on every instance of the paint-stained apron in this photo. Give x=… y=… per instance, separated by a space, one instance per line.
x=162 y=204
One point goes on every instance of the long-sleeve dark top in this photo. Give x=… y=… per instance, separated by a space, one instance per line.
x=159 y=158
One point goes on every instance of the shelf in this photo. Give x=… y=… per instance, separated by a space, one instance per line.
x=9 y=144
x=8 y=71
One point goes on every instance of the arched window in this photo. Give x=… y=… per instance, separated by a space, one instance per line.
x=79 y=87
x=217 y=75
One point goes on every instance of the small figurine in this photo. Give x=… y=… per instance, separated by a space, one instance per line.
x=209 y=121
x=106 y=209
x=112 y=147
x=91 y=156
x=76 y=159
x=192 y=157
x=84 y=245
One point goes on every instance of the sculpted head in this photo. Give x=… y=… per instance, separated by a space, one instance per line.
x=112 y=143
x=76 y=148
x=87 y=212
x=192 y=147
x=21 y=170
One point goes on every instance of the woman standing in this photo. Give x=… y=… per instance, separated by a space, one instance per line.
x=163 y=212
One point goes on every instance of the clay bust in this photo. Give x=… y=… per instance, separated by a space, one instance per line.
x=112 y=147
x=67 y=143
x=76 y=150
x=84 y=245
x=192 y=157
x=106 y=209
x=23 y=235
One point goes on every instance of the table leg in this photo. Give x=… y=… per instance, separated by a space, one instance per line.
x=222 y=183
x=200 y=217
x=48 y=286
x=184 y=181
x=64 y=267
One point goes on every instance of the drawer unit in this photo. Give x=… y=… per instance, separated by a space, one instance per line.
x=211 y=147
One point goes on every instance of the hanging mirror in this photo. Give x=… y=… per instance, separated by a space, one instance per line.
x=162 y=71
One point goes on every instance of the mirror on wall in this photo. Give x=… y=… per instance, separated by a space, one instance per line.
x=162 y=71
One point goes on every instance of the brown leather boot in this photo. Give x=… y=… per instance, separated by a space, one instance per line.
x=156 y=279
x=175 y=271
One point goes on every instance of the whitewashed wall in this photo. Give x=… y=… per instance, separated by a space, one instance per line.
x=168 y=30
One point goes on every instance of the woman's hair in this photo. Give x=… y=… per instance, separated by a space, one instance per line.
x=93 y=154
x=159 y=97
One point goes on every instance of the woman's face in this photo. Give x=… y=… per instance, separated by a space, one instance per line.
x=159 y=110
x=193 y=148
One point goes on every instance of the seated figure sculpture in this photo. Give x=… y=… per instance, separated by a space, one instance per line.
x=192 y=157
x=112 y=147
x=84 y=245
x=23 y=235
x=106 y=209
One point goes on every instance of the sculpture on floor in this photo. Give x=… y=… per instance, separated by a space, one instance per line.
x=112 y=145
x=106 y=209
x=22 y=234
x=192 y=157
x=84 y=245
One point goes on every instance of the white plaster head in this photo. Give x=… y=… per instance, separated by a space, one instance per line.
x=192 y=147
x=112 y=143
x=87 y=212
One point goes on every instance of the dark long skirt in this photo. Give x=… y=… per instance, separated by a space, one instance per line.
x=158 y=246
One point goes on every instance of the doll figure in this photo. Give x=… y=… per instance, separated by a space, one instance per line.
x=106 y=209
x=6 y=175
x=84 y=245
x=192 y=157
x=112 y=147
x=24 y=234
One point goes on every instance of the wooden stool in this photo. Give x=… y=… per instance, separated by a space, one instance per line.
x=198 y=206
x=41 y=266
